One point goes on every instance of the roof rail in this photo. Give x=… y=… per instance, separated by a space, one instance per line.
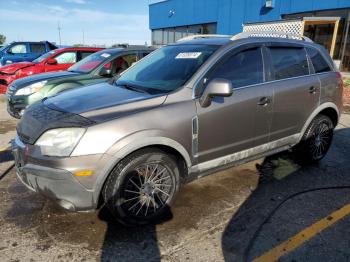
x=270 y=34
x=191 y=37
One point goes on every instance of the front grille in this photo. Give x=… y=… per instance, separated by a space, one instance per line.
x=38 y=118
x=3 y=82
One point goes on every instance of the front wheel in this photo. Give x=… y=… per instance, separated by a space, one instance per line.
x=316 y=141
x=142 y=187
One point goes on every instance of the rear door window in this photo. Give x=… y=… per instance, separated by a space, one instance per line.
x=121 y=63
x=243 y=69
x=37 y=48
x=288 y=62
x=66 y=58
x=84 y=54
x=318 y=61
x=142 y=55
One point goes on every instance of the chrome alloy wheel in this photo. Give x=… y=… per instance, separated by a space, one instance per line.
x=320 y=140
x=147 y=189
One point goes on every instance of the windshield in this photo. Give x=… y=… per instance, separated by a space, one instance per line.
x=90 y=62
x=2 y=48
x=166 y=69
x=44 y=56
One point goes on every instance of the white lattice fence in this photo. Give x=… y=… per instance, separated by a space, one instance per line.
x=291 y=27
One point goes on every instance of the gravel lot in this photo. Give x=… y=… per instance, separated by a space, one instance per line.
x=214 y=218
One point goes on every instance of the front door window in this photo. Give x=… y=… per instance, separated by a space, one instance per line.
x=66 y=58
x=19 y=49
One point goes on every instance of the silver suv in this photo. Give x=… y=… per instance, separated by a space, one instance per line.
x=187 y=110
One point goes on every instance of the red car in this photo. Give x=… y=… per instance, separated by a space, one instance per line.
x=55 y=60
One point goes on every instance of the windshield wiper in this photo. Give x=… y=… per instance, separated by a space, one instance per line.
x=133 y=88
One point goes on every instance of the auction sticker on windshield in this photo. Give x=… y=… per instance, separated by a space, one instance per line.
x=105 y=55
x=188 y=55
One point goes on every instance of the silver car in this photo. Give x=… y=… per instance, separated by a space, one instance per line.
x=187 y=110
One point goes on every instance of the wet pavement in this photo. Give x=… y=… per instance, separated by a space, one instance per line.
x=219 y=217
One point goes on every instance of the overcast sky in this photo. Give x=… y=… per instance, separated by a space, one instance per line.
x=103 y=21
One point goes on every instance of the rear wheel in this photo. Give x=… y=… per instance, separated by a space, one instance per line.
x=142 y=187
x=316 y=140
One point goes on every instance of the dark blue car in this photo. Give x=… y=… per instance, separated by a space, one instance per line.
x=23 y=51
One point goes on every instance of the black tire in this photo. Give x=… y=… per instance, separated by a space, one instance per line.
x=142 y=187
x=316 y=141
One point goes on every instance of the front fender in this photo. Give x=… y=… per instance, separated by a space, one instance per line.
x=130 y=144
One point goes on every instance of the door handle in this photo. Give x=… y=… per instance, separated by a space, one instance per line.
x=264 y=101
x=312 y=90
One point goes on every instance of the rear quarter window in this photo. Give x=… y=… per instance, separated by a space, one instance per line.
x=318 y=61
x=288 y=62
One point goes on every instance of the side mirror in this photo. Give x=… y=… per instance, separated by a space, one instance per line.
x=51 y=61
x=105 y=72
x=9 y=52
x=216 y=87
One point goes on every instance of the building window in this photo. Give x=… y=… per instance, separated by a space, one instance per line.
x=171 y=35
x=157 y=37
x=180 y=32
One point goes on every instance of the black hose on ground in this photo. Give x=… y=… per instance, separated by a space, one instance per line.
x=7 y=171
x=252 y=241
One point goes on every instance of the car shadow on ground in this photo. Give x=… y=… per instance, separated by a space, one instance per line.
x=126 y=243
x=252 y=232
x=6 y=156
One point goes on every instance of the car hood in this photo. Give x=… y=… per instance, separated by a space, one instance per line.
x=103 y=101
x=12 y=68
x=40 y=77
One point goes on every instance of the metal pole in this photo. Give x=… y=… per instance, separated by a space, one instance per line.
x=59 y=31
x=345 y=42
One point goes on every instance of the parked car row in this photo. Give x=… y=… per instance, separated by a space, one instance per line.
x=95 y=68
x=55 y=60
x=24 y=51
x=131 y=142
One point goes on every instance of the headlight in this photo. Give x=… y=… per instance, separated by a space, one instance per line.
x=28 y=90
x=60 y=141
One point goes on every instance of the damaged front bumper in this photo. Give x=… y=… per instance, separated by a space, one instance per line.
x=55 y=181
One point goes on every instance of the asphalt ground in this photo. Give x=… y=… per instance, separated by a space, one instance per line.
x=262 y=211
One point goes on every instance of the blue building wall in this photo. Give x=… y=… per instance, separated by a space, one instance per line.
x=231 y=14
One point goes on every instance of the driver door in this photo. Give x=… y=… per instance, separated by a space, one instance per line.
x=64 y=61
x=17 y=53
x=239 y=122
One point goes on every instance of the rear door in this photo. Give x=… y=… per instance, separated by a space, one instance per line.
x=36 y=50
x=296 y=90
x=64 y=61
x=328 y=78
x=240 y=122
